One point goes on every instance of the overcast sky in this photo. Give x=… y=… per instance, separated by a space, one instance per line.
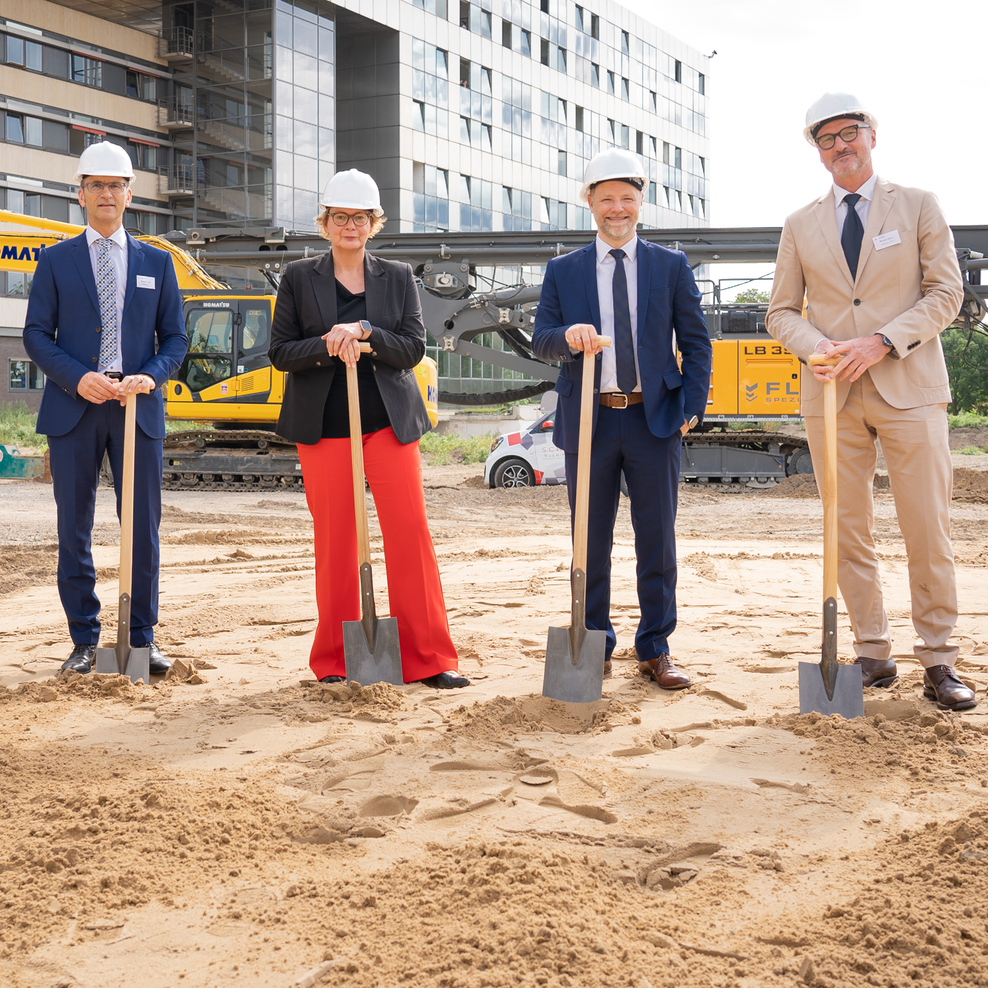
x=920 y=68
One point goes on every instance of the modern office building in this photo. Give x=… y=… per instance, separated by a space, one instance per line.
x=471 y=114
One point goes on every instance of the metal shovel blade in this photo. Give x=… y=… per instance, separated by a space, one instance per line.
x=574 y=671
x=122 y=660
x=370 y=645
x=828 y=687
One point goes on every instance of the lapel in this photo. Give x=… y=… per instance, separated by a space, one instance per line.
x=375 y=290
x=589 y=265
x=80 y=254
x=644 y=282
x=881 y=206
x=323 y=282
x=826 y=216
x=135 y=261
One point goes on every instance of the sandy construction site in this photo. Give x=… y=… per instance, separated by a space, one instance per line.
x=239 y=824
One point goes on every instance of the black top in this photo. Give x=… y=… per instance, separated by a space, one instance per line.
x=336 y=414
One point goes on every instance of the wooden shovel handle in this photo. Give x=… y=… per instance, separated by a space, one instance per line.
x=829 y=475
x=127 y=497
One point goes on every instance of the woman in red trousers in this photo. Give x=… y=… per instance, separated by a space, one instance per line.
x=358 y=297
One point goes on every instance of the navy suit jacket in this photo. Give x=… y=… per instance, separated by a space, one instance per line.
x=669 y=318
x=61 y=331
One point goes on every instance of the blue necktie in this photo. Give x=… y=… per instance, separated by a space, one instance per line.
x=624 y=342
x=852 y=234
x=106 y=288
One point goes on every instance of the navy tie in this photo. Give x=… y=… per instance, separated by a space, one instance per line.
x=624 y=342
x=852 y=234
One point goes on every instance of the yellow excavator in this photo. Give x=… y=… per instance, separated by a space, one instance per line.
x=226 y=380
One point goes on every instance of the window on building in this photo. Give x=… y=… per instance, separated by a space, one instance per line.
x=610 y=82
x=561 y=163
x=625 y=89
x=418 y=115
x=701 y=84
x=545 y=51
x=651 y=192
x=26 y=54
x=442 y=63
x=526 y=42
x=654 y=101
x=579 y=18
x=14 y=129
x=578 y=117
x=142 y=86
x=545 y=6
x=506 y=33
x=625 y=43
x=625 y=136
x=703 y=164
x=465 y=73
x=143 y=155
x=595 y=75
x=88 y=71
x=24 y=375
x=639 y=142
x=679 y=70
x=561 y=59
x=594 y=26
x=464 y=130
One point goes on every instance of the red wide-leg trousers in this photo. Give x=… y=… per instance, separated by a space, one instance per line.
x=415 y=593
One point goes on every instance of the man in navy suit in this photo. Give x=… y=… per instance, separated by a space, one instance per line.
x=645 y=403
x=104 y=320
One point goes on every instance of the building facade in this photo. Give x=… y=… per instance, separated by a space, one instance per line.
x=470 y=114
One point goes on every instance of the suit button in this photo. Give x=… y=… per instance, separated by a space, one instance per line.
x=99 y=329
x=94 y=360
x=857 y=301
x=318 y=363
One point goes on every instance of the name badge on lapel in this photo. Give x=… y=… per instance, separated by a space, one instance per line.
x=884 y=240
x=145 y=281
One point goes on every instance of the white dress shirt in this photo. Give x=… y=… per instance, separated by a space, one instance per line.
x=605 y=298
x=861 y=207
x=118 y=258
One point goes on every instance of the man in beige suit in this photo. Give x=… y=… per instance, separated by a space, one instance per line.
x=877 y=266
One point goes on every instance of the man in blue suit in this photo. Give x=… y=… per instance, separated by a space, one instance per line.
x=104 y=320
x=645 y=402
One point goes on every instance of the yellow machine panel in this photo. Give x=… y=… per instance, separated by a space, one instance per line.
x=723 y=397
x=768 y=379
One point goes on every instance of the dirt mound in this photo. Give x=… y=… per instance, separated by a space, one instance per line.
x=353 y=696
x=970 y=486
x=72 y=685
x=27 y=567
x=502 y=716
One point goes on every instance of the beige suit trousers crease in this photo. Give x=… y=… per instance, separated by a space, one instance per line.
x=917 y=453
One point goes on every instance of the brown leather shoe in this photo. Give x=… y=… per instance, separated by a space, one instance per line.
x=940 y=683
x=664 y=673
x=877 y=672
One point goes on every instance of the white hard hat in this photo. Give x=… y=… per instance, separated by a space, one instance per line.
x=353 y=189
x=614 y=163
x=105 y=158
x=833 y=106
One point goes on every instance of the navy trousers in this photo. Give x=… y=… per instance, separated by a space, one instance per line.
x=76 y=459
x=622 y=441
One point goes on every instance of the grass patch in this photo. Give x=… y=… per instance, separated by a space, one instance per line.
x=442 y=450
x=17 y=426
x=967 y=420
x=972 y=450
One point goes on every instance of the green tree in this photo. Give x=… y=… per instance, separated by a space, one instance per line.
x=752 y=295
x=967 y=362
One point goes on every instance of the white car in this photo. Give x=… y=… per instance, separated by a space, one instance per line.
x=526 y=458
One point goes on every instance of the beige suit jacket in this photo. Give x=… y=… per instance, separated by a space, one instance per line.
x=910 y=291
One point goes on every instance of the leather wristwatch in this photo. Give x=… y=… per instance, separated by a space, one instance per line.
x=889 y=344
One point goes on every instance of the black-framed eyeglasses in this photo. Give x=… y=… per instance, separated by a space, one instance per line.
x=97 y=188
x=847 y=134
x=341 y=219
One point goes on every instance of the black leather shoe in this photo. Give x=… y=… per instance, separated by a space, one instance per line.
x=877 y=672
x=446 y=681
x=940 y=683
x=158 y=663
x=81 y=659
x=332 y=679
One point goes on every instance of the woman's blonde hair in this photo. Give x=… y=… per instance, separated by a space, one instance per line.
x=323 y=221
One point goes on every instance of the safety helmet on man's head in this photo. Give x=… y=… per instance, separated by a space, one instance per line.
x=613 y=164
x=835 y=106
x=353 y=189
x=105 y=158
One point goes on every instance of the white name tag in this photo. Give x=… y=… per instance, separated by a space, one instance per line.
x=143 y=281
x=884 y=240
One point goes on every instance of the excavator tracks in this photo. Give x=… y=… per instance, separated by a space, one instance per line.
x=242 y=460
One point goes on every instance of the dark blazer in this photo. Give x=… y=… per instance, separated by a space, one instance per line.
x=306 y=309
x=669 y=318
x=62 y=330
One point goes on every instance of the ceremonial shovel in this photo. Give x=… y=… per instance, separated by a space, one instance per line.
x=830 y=688
x=124 y=660
x=370 y=645
x=574 y=656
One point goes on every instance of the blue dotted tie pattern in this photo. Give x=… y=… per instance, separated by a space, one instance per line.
x=624 y=341
x=106 y=288
x=852 y=234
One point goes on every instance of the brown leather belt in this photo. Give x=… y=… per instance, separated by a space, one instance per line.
x=617 y=399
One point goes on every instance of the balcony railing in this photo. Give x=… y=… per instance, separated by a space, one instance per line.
x=175 y=112
x=175 y=180
x=178 y=43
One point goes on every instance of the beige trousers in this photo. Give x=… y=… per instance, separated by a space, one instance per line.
x=917 y=454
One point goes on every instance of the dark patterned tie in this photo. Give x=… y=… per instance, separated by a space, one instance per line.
x=106 y=288
x=852 y=234
x=624 y=342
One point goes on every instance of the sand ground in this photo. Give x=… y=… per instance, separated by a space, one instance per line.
x=240 y=824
